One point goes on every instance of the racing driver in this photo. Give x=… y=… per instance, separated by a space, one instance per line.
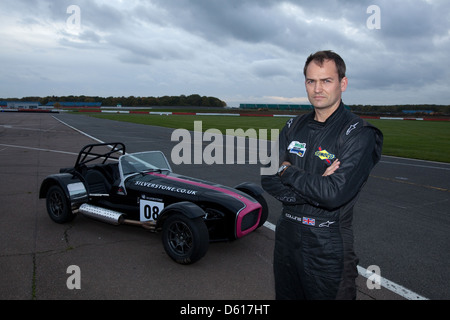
x=326 y=157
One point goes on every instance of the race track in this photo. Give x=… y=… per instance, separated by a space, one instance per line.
x=401 y=225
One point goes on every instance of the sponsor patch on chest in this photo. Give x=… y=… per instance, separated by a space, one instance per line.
x=297 y=148
x=324 y=155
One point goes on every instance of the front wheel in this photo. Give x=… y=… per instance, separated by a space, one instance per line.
x=185 y=240
x=58 y=207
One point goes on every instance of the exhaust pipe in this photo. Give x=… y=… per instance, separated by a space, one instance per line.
x=112 y=217
x=101 y=214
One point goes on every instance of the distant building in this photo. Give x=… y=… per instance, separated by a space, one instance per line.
x=22 y=105
x=418 y=111
x=276 y=106
x=75 y=104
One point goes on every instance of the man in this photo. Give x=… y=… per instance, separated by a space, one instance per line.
x=326 y=158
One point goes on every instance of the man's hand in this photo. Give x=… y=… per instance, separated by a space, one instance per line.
x=331 y=169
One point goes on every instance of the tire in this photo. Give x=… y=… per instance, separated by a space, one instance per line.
x=185 y=240
x=58 y=207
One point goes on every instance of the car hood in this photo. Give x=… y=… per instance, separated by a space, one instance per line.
x=193 y=189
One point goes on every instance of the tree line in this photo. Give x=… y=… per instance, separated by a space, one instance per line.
x=193 y=100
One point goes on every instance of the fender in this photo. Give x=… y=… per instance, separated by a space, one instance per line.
x=73 y=187
x=189 y=209
x=252 y=188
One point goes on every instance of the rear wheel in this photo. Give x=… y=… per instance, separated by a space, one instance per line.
x=185 y=240
x=58 y=207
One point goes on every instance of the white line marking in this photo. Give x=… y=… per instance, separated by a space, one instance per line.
x=79 y=131
x=89 y=136
x=412 y=160
x=390 y=285
x=7 y=126
x=269 y=225
x=37 y=149
x=414 y=165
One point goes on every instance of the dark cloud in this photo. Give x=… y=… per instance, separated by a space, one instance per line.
x=231 y=47
x=220 y=21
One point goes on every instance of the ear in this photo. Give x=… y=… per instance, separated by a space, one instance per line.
x=344 y=84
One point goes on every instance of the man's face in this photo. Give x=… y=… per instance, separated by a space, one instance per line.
x=323 y=86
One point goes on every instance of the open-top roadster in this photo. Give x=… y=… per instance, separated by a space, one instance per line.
x=112 y=186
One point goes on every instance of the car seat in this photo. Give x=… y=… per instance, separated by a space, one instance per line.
x=97 y=182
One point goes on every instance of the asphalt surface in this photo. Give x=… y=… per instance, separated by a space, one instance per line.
x=401 y=225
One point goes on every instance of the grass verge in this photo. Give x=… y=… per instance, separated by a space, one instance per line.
x=425 y=140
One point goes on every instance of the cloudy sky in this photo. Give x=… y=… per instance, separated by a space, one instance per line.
x=241 y=51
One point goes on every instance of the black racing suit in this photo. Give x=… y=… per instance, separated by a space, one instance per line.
x=314 y=256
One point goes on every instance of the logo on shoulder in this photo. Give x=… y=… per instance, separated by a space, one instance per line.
x=351 y=128
x=297 y=148
x=289 y=123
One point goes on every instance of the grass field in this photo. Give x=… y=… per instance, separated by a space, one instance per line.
x=426 y=140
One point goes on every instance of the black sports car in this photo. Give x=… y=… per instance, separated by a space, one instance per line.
x=112 y=186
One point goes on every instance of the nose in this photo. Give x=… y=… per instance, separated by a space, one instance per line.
x=318 y=87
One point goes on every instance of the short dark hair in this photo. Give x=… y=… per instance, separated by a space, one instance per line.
x=320 y=56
